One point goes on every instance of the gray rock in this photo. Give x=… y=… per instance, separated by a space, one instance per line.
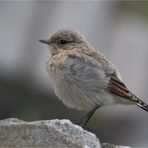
x=51 y=133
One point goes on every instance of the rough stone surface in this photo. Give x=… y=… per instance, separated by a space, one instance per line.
x=51 y=133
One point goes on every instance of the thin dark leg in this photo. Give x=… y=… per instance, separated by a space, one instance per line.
x=86 y=117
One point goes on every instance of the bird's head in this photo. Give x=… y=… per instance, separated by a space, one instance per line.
x=65 y=39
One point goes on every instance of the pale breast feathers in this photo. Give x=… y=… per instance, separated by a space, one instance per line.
x=77 y=78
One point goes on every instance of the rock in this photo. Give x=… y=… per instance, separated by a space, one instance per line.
x=48 y=133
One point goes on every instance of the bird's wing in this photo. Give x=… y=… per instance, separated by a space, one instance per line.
x=89 y=67
x=86 y=70
x=117 y=87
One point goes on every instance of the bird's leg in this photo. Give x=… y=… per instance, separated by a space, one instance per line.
x=86 y=117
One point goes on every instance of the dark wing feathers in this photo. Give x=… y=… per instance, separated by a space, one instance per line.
x=117 y=87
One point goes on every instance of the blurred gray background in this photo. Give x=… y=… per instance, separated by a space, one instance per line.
x=118 y=29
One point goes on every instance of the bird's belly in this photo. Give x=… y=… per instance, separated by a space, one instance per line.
x=80 y=96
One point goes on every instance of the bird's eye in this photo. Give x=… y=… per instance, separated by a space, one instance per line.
x=63 y=41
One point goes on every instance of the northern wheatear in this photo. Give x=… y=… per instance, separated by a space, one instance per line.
x=82 y=77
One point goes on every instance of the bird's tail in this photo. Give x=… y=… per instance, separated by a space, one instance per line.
x=140 y=103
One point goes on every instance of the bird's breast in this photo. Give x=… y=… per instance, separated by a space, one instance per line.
x=77 y=85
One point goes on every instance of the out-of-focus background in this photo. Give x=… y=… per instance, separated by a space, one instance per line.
x=118 y=29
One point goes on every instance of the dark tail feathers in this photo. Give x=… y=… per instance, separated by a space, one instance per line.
x=140 y=103
x=143 y=106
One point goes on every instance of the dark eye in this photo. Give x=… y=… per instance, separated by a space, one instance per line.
x=63 y=41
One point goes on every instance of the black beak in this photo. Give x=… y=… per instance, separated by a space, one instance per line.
x=44 y=41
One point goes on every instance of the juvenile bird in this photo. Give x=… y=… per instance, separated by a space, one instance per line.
x=82 y=77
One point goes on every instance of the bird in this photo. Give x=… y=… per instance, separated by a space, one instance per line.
x=82 y=77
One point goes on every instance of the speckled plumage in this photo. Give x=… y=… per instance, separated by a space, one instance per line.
x=83 y=77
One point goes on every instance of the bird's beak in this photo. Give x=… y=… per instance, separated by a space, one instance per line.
x=45 y=41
